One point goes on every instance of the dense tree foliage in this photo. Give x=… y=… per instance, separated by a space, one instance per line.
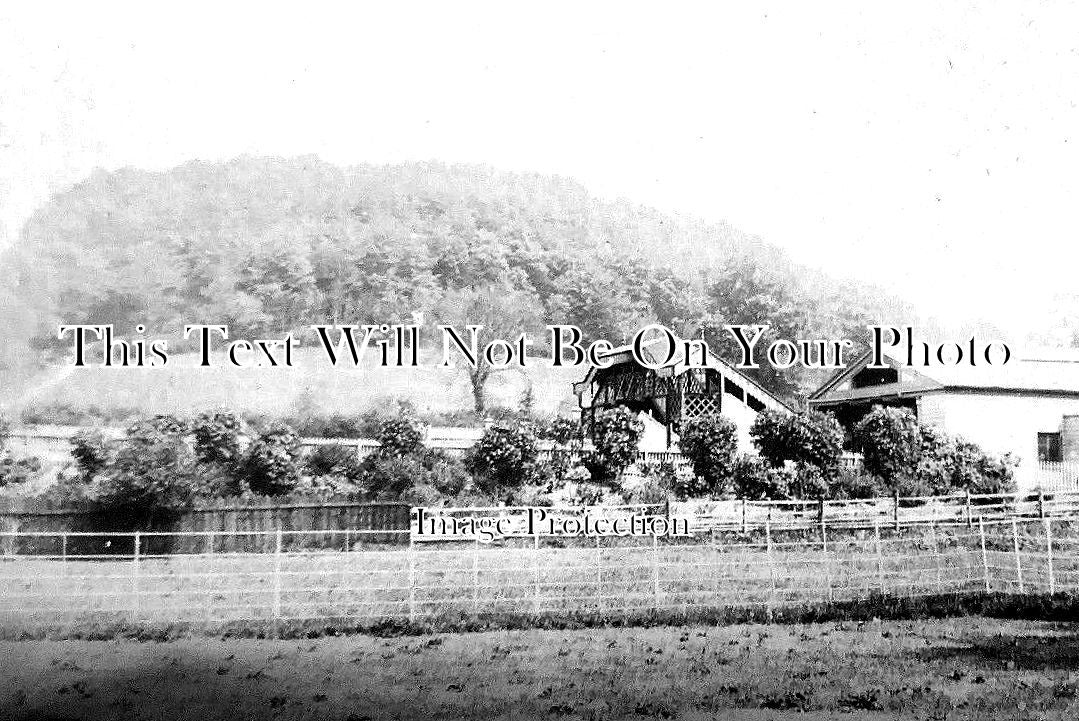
x=711 y=443
x=271 y=245
x=810 y=438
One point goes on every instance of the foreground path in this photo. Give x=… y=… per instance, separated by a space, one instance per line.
x=952 y=669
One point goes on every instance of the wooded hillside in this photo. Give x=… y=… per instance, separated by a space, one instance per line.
x=269 y=245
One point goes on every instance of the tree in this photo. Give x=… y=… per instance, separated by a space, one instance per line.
x=741 y=294
x=616 y=433
x=891 y=443
x=711 y=443
x=810 y=438
x=503 y=314
x=504 y=457
x=272 y=465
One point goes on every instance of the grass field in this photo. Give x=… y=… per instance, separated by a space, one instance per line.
x=947 y=669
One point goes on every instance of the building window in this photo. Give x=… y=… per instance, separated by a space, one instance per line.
x=869 y=377
x=1049 y=448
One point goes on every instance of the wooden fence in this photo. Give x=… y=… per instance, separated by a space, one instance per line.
x=227 y=525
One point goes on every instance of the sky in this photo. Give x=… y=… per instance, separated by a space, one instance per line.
x=929 y=148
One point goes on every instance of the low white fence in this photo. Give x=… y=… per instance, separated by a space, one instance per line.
x=362 y=582
x=1057 y=476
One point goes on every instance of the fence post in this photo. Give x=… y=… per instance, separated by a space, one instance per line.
x=411 y=579
x=655 y=568
x=985 y=557
x=138 y=549
x=895 y=509
x=743 y=516
x=536 y=572
x=277 y=581
x=599 y=573
x=1018 y=559
x=1049 y=554
x=771 y=562
x=970 y=519
x=820 y=518
x=880 y=555
x=475 y=576
x=63 y=552
x=1041 y=504
x=937 y=557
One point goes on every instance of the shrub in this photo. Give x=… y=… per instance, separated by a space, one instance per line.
x=616 y=433
x=423 y=494
x=153 y=471
x=327 y=486
x=504 y=457
x=220 y=437
x=566 y=432
x=92 y=453
x=388 y=477
x=809 y=482
x=936 y=469
x=5 y=431
x=17 y=470
x=271 y=466
x=710 y=443
x=153 y=428
x=663 y=473
x=336 y=461
x=337 y=425
x=979 y=472
x=891 y=443
x=447 y=475
x=811 y=438
x=755 y=479
x=399 y=437
x=652 y=491
x=852 y=483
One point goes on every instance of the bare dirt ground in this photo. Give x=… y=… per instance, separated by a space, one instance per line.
x=952 y=669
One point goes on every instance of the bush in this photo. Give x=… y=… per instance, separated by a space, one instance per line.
x=334 y=461
x=809 y=482
x=17 y=470
x=755 y=479
x=423 y=494
x=388 y=477
x=153 y=428
x=5 y=431
x=220 y=437
x=399 y=437
x=852 y=483
x=566 y=432
x=447 y=475
x=153 y=471
x=811 y=438
x=891 y=444
x=710 y=442
x=271 y=466
x=936 y=470
x=92 y=453
x=504 y=457
x=616 y=433
x=337 y=425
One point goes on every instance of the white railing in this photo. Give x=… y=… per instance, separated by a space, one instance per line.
x=1057 y=476
x=53 y=579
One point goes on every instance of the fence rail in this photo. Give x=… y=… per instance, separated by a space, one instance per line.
x=360 y=582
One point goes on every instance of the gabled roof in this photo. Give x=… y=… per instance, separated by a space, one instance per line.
x=679 y=365
x=1053 y=373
